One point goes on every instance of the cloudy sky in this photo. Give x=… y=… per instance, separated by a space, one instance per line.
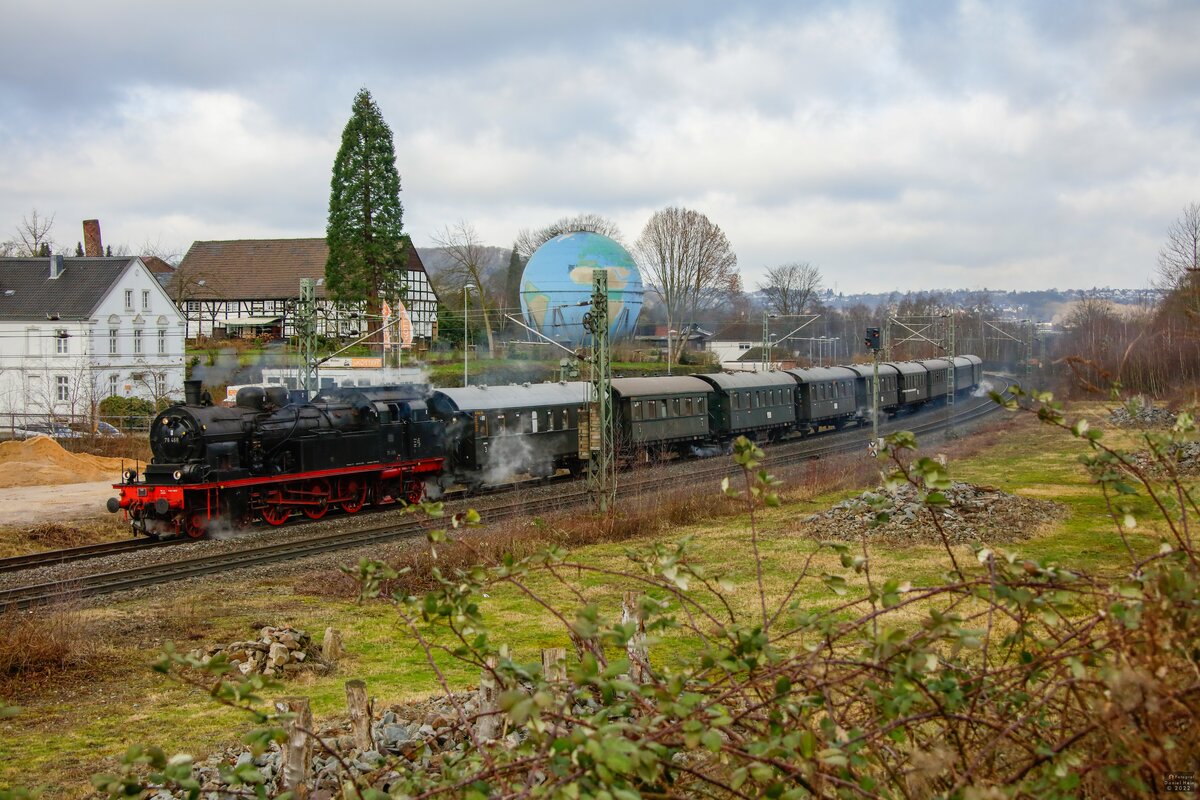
x=896 y=145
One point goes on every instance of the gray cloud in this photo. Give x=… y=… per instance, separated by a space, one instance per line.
x=969 y=143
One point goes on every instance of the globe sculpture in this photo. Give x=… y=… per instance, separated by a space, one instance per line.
x=556 y=287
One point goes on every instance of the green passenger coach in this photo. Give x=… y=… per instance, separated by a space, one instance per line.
x=661 y=413
x=752 y=404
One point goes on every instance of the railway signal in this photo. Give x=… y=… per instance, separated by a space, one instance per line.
x=872 y=340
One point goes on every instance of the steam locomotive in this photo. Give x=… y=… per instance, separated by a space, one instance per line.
x=268 y=459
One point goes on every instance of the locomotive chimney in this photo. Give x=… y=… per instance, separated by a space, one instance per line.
x=92 y=247
x=191 y=392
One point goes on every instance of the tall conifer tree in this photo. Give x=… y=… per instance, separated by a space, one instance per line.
x=365 y=231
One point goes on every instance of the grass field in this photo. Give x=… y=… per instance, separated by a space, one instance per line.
x=76 y=719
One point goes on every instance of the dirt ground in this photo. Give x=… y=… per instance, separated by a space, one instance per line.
x=30 y=505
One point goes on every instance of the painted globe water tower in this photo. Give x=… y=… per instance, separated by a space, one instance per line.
x=556 y=286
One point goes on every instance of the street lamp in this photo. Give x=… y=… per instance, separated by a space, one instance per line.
x=670 y=333
x=466 y=330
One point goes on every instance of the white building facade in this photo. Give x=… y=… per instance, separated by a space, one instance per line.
x=74 y=331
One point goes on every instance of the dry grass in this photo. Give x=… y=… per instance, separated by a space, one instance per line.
x=21 y=539
x=43 y=643
x=646 y=515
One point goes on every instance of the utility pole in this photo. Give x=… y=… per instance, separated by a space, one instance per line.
x=873 y=344
x=602 y=461
x=306 y=332
x=765 y=344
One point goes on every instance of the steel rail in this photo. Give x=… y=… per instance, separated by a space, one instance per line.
x=68 y=554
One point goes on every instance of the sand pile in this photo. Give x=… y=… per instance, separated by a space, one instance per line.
x=41 y=460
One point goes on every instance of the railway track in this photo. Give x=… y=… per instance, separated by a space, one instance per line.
x=132 y=578
x=83 y=552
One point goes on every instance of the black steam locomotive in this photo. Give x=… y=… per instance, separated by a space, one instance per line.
x=268 y=459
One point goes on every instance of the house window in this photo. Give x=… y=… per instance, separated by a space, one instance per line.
x=145 y=299
x=160 y=384
x=62 y=345
x=129 y=299
x=162 y=343
x=193 y=305
x=113 y=348
x=112 y=385
x=137 y=343
x=64 y=388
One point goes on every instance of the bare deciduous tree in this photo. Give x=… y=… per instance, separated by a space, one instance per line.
x=529 y=240
x=33 y=237
x=1179 y=262
x=1180 y=256
x=687 y=259
x=789 y=288
x=469 y=258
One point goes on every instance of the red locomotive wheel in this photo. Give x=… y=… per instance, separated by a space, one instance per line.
x=318 y=491
x=196 y=525
x=414 y=492
x=275 y=512
x=356 y=491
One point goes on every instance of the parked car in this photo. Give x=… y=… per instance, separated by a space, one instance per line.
x=53 y=430
x=101 y=429
x=104 y=429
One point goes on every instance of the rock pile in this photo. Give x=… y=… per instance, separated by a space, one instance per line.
x=1144 y=415
x=974 y=514
x=1186 y=456
x=277 y=652
x=405 y=737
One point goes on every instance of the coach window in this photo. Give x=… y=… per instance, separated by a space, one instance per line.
x=687 y=406
x=700 y=406
x=566 y=419
x=662 y=409
x=675 y=407
x=637 y=409
x=737 y=401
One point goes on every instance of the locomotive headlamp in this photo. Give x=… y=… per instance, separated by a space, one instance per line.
x=177 y=474
x=130 y=475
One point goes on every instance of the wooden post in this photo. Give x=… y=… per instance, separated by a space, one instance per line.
x=297 y=750
x=554 y=664
x=487 y=723
x=639 y=658
x=331 y=646
x=360 y=714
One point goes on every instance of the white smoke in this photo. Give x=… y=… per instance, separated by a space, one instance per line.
x=983 y=389
x=511 y=454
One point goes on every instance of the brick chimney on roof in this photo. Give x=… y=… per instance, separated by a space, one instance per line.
x=91 y=238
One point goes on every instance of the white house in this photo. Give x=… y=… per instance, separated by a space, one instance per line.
x=74 y=331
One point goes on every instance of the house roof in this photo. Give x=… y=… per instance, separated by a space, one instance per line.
x=28 y=292
x=156 y=265
x=258 y=269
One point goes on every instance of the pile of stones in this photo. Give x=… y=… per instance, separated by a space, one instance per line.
x=407 y=737
x=974 y=514
x=276 y=653
x=1144 y=414
x=1186 y=456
